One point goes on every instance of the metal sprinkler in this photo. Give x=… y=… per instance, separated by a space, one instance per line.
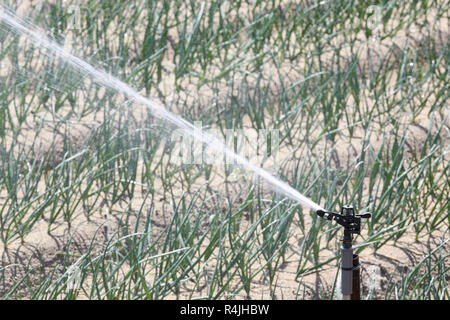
x=350 y=276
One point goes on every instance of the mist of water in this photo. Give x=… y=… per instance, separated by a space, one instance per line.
x=34 y=34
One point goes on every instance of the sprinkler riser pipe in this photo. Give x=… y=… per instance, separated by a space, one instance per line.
x=346 y=270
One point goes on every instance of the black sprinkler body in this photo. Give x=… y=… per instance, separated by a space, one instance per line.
x=350 y=276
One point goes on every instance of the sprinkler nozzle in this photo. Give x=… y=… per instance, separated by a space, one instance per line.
x=325 y=214
x=320 y=213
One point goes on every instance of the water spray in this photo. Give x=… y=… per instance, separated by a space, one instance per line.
x=350 y=275
x=53 y=49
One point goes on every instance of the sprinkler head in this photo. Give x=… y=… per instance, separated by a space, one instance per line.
x=347 y=218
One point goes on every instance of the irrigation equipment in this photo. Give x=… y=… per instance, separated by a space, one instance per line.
x=350 y=276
